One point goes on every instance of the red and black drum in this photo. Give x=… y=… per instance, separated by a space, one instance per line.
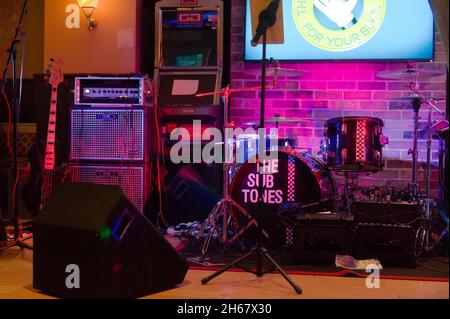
x=354 y=143
x=287 y=177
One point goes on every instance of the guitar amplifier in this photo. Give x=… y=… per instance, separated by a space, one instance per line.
x=384 y=212
x=133 y=180
x=394 y=245
x=319 y=238
x=109 y=135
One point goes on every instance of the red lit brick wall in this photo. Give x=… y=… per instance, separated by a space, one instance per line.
x=334 y=89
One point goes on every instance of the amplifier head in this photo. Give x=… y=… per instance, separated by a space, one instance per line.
x=113 y=91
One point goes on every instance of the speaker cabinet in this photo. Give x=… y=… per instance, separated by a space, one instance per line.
x=375 y=212
x=393 y=245
x=319 y=238
x=134 y=179
x=101 y=134
x=90 y=242
x=192 y=193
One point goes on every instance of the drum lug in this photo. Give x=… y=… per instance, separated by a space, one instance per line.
x=384 y=140
x=377 y=155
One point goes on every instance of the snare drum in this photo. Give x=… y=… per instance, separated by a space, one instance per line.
x=354 y=143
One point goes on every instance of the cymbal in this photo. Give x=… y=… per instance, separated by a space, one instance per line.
x=409 y=73
x=440 y=127
x=278 y=71
x=415 y=97
x=279 y=119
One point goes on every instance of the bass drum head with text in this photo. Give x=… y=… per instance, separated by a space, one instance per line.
x=298 y=178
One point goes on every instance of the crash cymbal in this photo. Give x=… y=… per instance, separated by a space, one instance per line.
x=410 y=73
x=278 y=120
x=278 y=71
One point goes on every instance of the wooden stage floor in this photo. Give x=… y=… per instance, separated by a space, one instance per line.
x=16 y=283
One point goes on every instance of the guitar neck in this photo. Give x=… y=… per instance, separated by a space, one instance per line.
x=49 y=163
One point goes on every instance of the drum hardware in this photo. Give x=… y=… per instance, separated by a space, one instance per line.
x=428 y=202
x=414 y=76
x=226 y=91
x=412 y=97
x=350 y=178
x=440 y=129
x=267 y=18
x=223 y=209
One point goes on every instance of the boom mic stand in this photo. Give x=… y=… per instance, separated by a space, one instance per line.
x=12 y=60
x=266 y=19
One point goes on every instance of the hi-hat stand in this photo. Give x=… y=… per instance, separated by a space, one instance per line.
x=223 y=209
x=424 y=232
x=11 y=61
x=267 y=19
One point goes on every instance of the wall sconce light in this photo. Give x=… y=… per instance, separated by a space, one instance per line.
x=88 y=7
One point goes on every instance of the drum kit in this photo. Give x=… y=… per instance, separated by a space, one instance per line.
x=352 y=145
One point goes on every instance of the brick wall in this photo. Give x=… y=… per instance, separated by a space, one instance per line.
x=334 y=89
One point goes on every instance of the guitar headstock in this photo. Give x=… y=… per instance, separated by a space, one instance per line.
x=54 y=72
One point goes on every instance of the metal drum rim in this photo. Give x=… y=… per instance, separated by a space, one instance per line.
x=337 y=119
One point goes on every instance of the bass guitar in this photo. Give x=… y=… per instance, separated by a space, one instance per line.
x=43 y=174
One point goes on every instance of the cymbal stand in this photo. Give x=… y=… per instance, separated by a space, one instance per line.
x=223 y=209
x=266 y=18
x=425 y=230
x=414 y=152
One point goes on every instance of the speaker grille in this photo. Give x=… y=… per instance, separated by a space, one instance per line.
x=130 y=179
x=112 y=135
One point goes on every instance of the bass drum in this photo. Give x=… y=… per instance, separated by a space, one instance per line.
x=289 y=177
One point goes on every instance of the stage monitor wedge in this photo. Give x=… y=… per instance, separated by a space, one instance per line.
x=90 y=242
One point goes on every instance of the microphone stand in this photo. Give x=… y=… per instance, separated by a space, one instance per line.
x=15 y=110
x=259 y=251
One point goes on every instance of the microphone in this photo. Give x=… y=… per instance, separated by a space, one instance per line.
x=267 y=18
